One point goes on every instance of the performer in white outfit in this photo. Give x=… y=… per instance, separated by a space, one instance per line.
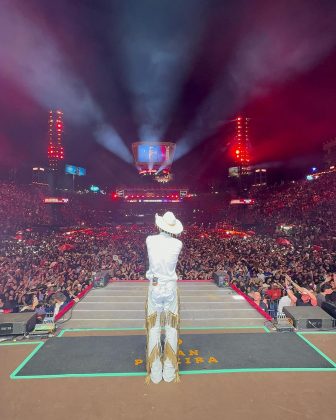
x=162 y=308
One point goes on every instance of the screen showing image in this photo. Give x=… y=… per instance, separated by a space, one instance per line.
x=81 y=171
x=70 y=169
x=75 y=170
x=152 y=153
x=234 y=171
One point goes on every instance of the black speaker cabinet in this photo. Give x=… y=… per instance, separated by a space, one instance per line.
x=17 y=324
x=309 y=317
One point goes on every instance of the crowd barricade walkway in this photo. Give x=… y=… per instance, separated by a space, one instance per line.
x=146 y=281
x=251 y=302
x=69 y=305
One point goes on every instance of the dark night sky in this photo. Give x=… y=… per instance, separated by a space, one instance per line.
x=172 y=71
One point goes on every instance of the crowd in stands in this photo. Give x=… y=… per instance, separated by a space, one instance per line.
x=38 y=268
x=20 y=206
x=307 y=205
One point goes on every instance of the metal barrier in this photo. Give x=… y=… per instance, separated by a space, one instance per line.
x=273 y=308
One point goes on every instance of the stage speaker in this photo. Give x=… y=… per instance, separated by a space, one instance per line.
x=101 y=278
x=17 y=324
x=309 y=317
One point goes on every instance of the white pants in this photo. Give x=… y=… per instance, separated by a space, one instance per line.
x=162 y=311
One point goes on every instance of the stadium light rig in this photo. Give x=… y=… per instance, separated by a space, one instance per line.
x=241 y=155
x=134 y=195
x=55 y=147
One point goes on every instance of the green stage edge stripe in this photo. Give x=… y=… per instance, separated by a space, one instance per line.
x=194 y=372
x=261 y=327
x=317 y=332
x=19 y=344
x=97 y=329
x=12 y=376
x=317 y=349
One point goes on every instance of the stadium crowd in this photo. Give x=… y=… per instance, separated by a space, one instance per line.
x=38 y=268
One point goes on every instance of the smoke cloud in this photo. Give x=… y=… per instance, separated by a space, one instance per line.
x=158 y=41
x=281 y=41
x=30 y=57
x=110 y=139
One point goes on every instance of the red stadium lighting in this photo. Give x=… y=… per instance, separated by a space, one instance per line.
x=55 y=149
x=241 y=149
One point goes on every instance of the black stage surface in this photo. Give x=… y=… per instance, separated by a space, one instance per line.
x=199 y=353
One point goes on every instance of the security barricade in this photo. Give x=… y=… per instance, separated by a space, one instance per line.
x=273 y=308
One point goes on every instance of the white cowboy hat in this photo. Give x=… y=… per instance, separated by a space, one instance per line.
x=169 y=223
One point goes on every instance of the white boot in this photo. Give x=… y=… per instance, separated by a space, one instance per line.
x=168 y=371
x=156 y=371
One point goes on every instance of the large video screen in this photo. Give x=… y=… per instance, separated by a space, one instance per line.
x=152 y=153
x=75 y=170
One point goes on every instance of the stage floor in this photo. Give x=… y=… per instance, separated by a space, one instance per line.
x=198 y=354
x=290 y=395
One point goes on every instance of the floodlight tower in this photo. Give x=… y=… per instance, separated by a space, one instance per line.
x=55 y=147
x=242 y=147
